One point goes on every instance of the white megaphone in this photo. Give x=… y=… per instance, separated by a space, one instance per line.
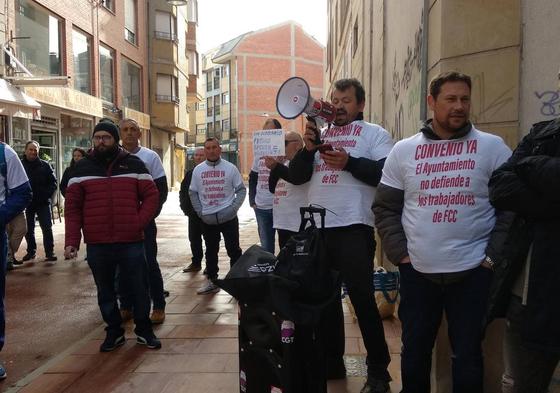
x=294 y=98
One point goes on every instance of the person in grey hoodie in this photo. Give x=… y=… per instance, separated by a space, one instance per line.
x=217 y=192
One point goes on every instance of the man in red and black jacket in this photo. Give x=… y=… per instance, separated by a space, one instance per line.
x=111 y=198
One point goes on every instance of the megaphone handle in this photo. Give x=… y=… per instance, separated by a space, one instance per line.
x=317 y=140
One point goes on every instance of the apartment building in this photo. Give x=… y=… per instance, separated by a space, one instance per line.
x=240 y=80
x=173 y=65
x=99 y=46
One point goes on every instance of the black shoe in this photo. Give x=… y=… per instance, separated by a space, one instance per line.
x=165 y=293
x=51 y=258
x=373 y=385
x=192 y=268
x=10 y=266
x=28 y=257
x=149 y=340
x=112 y=341
x=16 y=262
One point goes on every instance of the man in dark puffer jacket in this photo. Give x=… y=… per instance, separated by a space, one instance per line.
x=112 y=197
x=529 y=184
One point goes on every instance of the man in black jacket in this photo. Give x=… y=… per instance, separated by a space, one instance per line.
x=343 y=180
x=195 y=224
x=43 y=183
x=527 y=291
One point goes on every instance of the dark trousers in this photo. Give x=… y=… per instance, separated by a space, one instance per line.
x=283 y=237
x=195 y=239
x=230 y=231
x=420 y=311
x=351 y=251
x=3 y=261
x=527 y=370
x=103 y=260
x=155 y=280
x=43 y=213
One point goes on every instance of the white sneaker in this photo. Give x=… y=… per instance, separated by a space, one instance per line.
x=209 y=287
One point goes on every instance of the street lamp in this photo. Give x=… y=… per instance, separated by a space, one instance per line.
x=177 y=2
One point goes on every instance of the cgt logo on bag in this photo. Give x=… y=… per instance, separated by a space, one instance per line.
x=261 y=268
x=287 y=331
x=300 y=248
x=242 y=381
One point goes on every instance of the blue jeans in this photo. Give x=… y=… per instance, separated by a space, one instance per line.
x=266 y=230
x=3 y=253
x=43 y=213
x=155 y=279
x=103 y=260
x=420 y=311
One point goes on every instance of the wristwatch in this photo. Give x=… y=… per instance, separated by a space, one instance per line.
x=490 y=262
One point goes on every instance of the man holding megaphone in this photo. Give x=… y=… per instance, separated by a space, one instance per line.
x=343 y=165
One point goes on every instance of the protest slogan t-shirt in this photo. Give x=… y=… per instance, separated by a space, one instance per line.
x=348 y=200
x=447 y=216
x=215 y=185
x=288 y=198
x=263 y=198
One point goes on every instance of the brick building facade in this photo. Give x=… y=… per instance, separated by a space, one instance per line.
x=257 y=64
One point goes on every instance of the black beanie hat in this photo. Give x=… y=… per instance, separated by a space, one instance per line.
x=110 y=127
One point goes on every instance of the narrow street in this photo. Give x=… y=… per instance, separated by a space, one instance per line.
x=51 y=307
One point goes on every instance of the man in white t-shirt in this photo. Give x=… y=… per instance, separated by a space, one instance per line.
x=13 y=179
x=343 y=180
x=435 y=220
x=217 y=192
x=288 y=197
x=130 y=134
x=260 y=198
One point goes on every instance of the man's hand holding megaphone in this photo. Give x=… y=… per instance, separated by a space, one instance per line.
x=334 y=158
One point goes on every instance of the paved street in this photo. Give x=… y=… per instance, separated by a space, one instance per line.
x=54 y=328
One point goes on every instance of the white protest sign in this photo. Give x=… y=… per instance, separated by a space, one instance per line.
x=268 y=143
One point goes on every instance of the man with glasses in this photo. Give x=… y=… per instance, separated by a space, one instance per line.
x=112 y=198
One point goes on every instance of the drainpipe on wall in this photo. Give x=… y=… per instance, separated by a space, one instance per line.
x=424 y=71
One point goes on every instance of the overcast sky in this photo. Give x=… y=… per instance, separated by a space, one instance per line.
x=221 y=20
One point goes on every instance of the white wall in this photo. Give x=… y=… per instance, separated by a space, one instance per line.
x=402 y=67
x=540 y=62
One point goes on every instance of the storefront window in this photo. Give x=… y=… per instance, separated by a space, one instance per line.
x=19 y=135
x=41 y=52
x=76 y=132
x=81 y=50
x=131 y=85
x=106 y=73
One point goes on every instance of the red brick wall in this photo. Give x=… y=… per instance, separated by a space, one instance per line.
x=265 y=62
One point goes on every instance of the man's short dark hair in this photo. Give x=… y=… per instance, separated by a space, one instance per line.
x=449 y=76
x=30 y=142
x=345 y=84
x=277 y=124
x=212 y=139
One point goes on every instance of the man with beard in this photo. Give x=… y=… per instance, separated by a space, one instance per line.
x=112 y=198
x=344 y=180
x=436 y=223
x=130 y=134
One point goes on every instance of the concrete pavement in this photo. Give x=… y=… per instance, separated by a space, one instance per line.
x=199 y=336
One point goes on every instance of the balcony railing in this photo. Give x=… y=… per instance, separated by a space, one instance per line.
x=164 y=98
x=164 y=35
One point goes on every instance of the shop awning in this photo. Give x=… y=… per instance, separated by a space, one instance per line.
x=14 y=102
